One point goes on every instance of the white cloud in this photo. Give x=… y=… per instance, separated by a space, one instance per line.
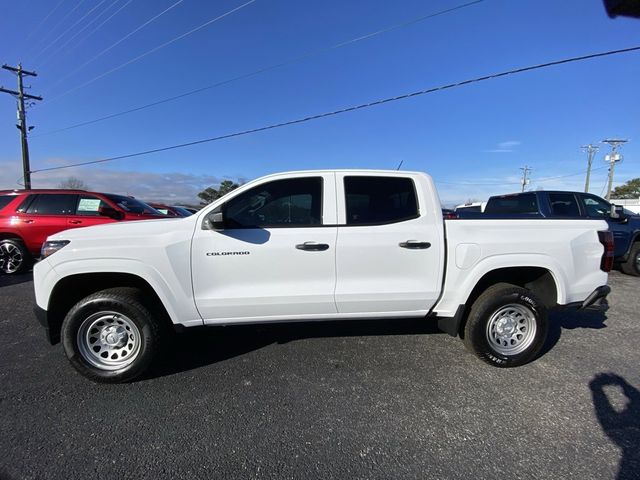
x=172 y=187
x=507 y=146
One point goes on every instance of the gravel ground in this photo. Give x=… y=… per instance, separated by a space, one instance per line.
x=363 y=399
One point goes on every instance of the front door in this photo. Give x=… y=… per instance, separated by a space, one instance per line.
x=274 y=258
x=87 y=212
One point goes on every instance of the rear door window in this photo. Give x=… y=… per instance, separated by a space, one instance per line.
x=526 y=203
x=379 y=200
x=53 y=204
x=564 y=205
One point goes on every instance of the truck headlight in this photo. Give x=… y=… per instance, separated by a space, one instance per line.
x=52 y=246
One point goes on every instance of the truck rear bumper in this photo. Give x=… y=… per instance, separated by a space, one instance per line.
x=597 y=300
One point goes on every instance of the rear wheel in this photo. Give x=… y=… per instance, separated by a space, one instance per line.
x=632 y=265
x=14 y=256
x=110 y=336
x=507 y=326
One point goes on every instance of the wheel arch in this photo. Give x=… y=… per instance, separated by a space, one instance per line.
x=539 y=280
x=11 y=235
x=71 y=289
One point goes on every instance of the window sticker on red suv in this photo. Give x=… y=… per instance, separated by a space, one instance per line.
x=89 y=205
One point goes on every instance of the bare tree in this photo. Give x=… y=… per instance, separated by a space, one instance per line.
x=73 y=183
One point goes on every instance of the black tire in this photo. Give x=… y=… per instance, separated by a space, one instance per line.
x=14 y=256
x=514 y=312
x=632 y=265
x=130 y=316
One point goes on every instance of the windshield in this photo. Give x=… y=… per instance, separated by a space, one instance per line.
x=129 y=204
x=182 y=211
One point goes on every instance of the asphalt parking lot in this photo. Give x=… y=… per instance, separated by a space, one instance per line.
x=365 y=399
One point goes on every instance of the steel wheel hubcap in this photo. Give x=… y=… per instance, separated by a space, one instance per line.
x=108 y=340
x=511 y=329
x=10 y=258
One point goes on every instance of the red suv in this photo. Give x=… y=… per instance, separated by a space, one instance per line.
x=28 y=217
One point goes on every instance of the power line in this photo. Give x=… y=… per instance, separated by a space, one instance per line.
x=300 y=58
x=353 y=108
x=78 y=32
x=112 y=46
x=60 y=22
x=98 y=27
x=46 y=17
x=153 y=50
x=53 y=42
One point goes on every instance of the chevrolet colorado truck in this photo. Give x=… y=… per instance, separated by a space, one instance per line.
x=315 y=245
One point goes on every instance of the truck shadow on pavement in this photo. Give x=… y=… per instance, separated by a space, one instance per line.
x=570 y=320
x=199 y=347
x=620 y=420
x=15 y=279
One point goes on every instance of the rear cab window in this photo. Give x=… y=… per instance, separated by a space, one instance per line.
x=373 y=200
x=523 y=204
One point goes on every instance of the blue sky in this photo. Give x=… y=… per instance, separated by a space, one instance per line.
x=472 y=139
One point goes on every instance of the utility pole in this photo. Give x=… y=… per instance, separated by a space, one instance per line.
x=22 y=117
x=613 y=158
x=525 y=176
x=591 y=151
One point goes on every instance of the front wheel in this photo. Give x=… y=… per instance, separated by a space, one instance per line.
x=632 y=265
x=507 y=326
x=110 y=336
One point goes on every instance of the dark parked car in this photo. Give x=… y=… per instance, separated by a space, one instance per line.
x=28 y=217
x=624 y=224
x=170 y=211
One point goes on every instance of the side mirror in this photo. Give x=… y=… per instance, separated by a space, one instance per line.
x=213 y=221
x=617 y=212
x=111 y=213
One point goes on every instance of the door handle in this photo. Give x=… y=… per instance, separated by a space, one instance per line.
x=414 y=245
x=75 y=222
x=312 y=246
x=27 y=221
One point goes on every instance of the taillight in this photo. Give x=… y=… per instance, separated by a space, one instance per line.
x=606 y=239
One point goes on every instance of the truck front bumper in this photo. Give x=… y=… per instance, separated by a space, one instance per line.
x=52 y=332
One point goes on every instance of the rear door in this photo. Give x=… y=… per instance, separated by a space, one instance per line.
x=390 y=245
x=44 y=215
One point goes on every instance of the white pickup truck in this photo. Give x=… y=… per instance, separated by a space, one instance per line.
x=315 y=245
